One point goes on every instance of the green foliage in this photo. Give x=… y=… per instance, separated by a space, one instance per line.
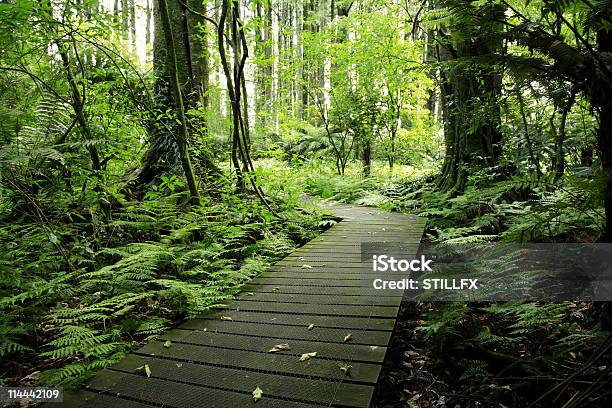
x=443 y=319
x=475 y=370
x=152 y=264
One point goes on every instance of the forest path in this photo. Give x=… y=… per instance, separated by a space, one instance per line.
x=318 y=299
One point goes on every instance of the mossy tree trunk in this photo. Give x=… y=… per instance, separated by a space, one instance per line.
x=189 y=38
x=182 y=135
x=470 y=92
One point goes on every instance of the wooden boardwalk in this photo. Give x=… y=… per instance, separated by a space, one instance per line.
x=217 y=362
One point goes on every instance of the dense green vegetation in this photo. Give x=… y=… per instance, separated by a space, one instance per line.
x=154 y=156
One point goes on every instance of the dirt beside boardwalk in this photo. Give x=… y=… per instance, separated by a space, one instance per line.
x=418 y=373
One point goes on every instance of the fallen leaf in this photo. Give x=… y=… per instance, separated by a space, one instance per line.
x=345 y=367
x=348 y=337
x=257 y=394
x=274 y=289
x=179 y=365
x=301 y=258
x=226 y=318
x=308 y=356
x=279 y=347
x=571 y=353
x=250 y=294
x=144 y=369
x=306 y=266
x=167 y=344
x=311 y=326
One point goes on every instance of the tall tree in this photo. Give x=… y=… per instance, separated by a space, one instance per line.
x=234 y=74
x=573 y=55
x=182 y=135
x=190 y=48
x=470 y=89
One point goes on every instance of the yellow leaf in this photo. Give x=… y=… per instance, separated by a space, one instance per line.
x=345 y=367
x=306 y=266
x=311 y=326
x=279 y=347
x=308 y=356
x=257 y=394
x=250 y=294
x=167 y=344
x=226 y=318
x=348 y=337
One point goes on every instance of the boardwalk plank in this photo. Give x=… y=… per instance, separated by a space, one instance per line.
x=178 y=394
x=324 y=310
x=317 y=391
x=216 y=363
x=335 y=351
x=377 y=338
x=267 y=362
x=305 y=320
x=330 y=290
x=320 y=299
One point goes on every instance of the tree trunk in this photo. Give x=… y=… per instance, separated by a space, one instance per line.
x=149 y=16
x=133 y=25
x=182 y=135
x=559 y=151
x=124 y=20
x=367 y=158
x=162 y=155
x=471 y=142
x=601 y=99
x=535 y=160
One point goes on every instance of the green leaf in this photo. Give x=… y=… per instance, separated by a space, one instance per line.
x=345 y=367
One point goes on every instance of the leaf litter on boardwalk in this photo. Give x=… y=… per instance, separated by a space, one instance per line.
x=279 y=347
x=308 y=356
x=257 y=394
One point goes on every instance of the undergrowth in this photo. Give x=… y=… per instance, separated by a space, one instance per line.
x=80 y=291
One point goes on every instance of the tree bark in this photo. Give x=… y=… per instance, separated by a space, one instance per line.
x=192 y=70
x=601 y=99
x=560 y=140
x=468 y=86
x=535 y=160
x=182 y=135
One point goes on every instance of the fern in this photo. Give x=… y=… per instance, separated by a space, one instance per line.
x=475 y=370
x=441 y=321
